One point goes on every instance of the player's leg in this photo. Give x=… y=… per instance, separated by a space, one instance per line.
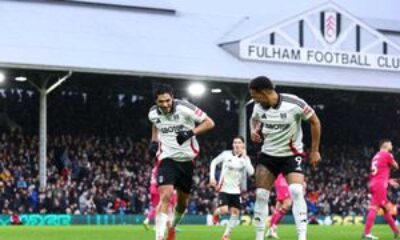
x=221 y=210
x=369 y=222
x=271 y=233
x=294 y=174
x=184 y=182
x=180 y=208
x=389 y=219
x=282 y=210
x=299 y=208
x=283 y=203
x=151 y=214
x=271 y=230
x=264 y=182
x=223 y=202
x=166 y=192
x=282 y=206
x=378 y=197
x=233 y=222
x=275 y=214
x=154 y=200
x=166 y=178
x=171 y=213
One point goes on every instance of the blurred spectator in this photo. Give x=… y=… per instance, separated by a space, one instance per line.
x=15 y=219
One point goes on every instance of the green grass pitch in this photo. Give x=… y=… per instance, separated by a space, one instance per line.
x=189 y=232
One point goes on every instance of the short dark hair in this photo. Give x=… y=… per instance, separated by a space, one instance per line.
x=383 y=141
x=261 y=83
x=163 y=88
x=239 y=137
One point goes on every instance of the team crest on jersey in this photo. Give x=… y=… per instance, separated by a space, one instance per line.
x=158 y=120
x=176 y=117
x=264 y=116
x=283 y=115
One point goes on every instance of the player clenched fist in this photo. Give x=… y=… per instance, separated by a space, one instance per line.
x=183 y=136
x=256 y=136
x=315 y=158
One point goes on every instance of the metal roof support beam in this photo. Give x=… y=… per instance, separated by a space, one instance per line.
x=44 y=91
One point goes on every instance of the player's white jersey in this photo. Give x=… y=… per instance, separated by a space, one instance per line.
x=183 y=116
x=234 y=171
x=281 y=125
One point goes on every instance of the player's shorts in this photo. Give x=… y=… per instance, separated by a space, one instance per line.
x=230 y=200
x=285 y=165
x=378 y=195
x=179 y=174
x=282 y=193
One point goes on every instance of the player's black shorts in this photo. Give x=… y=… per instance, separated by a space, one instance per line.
x=179 y=174
x=285 y=165
x=230 y=200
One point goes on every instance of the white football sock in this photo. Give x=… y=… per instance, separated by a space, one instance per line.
x=261 y=212
x=299 y=209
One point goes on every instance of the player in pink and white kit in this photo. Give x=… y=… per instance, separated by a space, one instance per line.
x=283 y=203
x=378 y=184
x=155 y=199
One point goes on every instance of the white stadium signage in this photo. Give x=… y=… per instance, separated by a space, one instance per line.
x=319 y=57
x=326 y=35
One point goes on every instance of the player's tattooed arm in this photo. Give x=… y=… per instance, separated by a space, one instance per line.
x=255 y=127
x=315 y=156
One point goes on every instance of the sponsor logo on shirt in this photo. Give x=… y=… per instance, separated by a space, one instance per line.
x=278 y=126
x=171 y=129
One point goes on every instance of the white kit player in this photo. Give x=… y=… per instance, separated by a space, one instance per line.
x=236 y=166
x=176 y=124
x=276 y=123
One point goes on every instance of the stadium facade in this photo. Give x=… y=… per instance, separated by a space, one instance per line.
x=322 y=45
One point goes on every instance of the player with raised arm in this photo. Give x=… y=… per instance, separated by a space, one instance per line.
x=176 y=124
x=236 y=166
x=381 y=164
x=276 y=123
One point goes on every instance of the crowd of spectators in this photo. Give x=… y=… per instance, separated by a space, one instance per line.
x=98 y=162
x=90 y=174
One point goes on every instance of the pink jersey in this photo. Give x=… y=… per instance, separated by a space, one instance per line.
x=280 y=181
x=380 y=168
x=281 y=188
